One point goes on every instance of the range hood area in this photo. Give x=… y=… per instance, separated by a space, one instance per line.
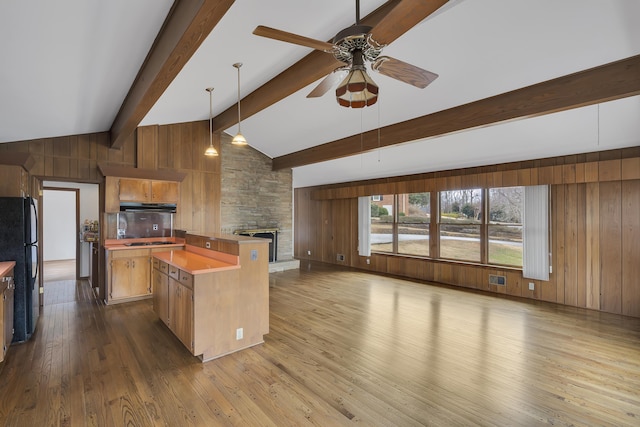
x=139 y=224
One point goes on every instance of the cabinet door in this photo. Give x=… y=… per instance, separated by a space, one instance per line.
x=181 y=312
x=164 y=192
x=120 y=281
x=140 y=276
x=134 y=190
x=161 y=295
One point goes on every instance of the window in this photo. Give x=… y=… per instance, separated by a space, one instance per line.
x=414 y=216
x=382 y=225
x=479 y=225
x=460 y=224
x=506 y=206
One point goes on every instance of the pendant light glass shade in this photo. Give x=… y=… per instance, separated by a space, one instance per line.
x=211 y=150
x=239 y=139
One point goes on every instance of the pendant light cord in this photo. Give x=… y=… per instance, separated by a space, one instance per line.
x=238 y=65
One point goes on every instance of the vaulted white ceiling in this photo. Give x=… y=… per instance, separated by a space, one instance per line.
x=67 y=66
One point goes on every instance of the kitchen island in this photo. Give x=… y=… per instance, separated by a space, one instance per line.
x=214 y=294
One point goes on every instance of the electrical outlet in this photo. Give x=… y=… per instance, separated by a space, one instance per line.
x=308 y=252
x=207 y=245
x=368 y=261
x=340 y=257
x=155 y=227
x=239 y=333
x=532 y=286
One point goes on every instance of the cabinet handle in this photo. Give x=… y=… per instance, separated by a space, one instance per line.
x=133 y=264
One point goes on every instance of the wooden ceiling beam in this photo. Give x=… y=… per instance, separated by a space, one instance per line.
x=186 y=27
x=607 y=82
x=318 y=64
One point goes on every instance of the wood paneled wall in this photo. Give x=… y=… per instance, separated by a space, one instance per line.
x=73 y=158
x=181 y=147
x=595 y=221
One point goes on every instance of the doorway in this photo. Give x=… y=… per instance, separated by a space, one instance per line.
x=66 y=256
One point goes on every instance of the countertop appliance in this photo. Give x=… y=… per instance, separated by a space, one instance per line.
x=19 y=243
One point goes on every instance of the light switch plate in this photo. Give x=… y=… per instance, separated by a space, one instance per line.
x=254 y=255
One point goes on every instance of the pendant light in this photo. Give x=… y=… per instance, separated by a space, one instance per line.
x=238 y=139
x=211 y=150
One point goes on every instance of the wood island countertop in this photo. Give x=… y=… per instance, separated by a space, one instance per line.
x=5 y=266
x=194 y=263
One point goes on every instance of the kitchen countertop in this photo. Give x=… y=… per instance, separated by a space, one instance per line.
x=194 y=263
x=5 y=266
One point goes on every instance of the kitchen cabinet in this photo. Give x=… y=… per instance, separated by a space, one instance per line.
x=140 y=191
x=173 y=300
x=145 y=190
x=181 y=312
x=161 y=290
x=7 y=289
x=211 y=310
x=128 y=275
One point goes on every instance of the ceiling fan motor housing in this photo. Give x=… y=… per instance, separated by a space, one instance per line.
x=354 y=38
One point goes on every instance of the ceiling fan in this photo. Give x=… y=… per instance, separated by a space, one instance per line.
x=354 y=46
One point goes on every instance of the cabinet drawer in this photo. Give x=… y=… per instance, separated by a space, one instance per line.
x=160 y=265
x=174 y=272
x=186 y=279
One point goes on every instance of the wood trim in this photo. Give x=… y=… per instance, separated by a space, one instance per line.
x=301 y=74
x=140 y=173
x=186 y=27
x=508 y=175
x=619 y=79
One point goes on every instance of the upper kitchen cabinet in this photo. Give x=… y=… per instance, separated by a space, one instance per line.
x=151 y=191
x=140 y=186
x=14 y=174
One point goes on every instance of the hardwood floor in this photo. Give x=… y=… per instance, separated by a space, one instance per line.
x=345 y=347
x=54 y=271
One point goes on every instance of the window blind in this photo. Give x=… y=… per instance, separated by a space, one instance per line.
x=535 y=256
x=364 y=226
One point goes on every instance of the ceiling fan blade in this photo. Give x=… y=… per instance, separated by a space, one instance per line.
x=327 y=83
x=402 y=18
x=404 y=72
x=284 y=36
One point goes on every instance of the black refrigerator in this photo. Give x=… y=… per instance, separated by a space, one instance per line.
x=19 y=243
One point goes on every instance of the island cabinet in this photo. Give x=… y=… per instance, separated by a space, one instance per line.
x=7 y=289
x=200 y=297
x=128 y=275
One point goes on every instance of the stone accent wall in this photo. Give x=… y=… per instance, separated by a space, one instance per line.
x=254 y=196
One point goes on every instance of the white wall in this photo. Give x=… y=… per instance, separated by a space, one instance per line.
x=53 y=220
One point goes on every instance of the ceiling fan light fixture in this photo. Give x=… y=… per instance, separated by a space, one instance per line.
x=239 y=139
x=357 y=90
x=211 y=150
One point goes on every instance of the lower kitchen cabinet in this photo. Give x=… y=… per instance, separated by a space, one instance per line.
x=161 y=291
x=173 y=300
x=7 y=289
x=128 y=274
x=181 y=312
